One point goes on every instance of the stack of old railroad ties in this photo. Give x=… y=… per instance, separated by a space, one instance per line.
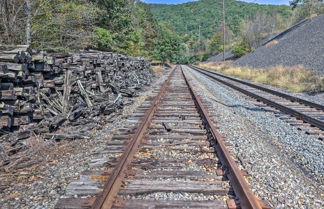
x=39 y=92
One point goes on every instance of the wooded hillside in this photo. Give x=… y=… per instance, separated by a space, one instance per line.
x=186 y=18
x=199 y=24
x=124 y=26
x=177 y=33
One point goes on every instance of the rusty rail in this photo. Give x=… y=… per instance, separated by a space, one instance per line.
x=106 y=198
x=313 y=121
x=239 y=184
x=277 y=93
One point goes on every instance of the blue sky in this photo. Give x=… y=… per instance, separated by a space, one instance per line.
x=183 y=1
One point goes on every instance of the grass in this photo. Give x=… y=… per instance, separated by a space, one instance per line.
x=295 y=79
x=158 y=68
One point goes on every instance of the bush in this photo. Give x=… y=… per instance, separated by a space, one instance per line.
x=186 y=59
x=242 y=49
x=103 y=39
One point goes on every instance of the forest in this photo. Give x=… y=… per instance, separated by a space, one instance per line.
x=199 y=24
x=177 y=33
x=122 y=26
x=207 y=15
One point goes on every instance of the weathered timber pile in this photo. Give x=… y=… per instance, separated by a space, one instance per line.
x=20 y=76
x=40 y=92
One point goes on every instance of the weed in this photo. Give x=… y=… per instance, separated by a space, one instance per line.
x=158 y=68
x=294 y=79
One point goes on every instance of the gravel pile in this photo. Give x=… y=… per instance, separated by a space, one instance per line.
x=286 y=165
x=40 y=186
x=219 y=57
x=301 y=46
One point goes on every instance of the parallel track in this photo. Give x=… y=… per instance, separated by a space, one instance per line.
x=304 y=110
x=170 y=160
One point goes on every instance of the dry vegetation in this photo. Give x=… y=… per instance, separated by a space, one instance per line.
x=272 y=43
x=41 y=158
x=294 y=79
x=158 y=68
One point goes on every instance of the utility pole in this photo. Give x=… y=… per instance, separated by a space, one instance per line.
x=199 y=40
x=224 y=30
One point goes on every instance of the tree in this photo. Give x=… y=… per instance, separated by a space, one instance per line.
x=28 y=22
x=135 y=31
x=296 y=3
x=241 y=49
x=115 y=16
x=11 y=21
x=305 y=8
x=257 y=28
x=145 y=24
x=186 y=19
x=63 y=25
x=215 y=43
x=103 y=39
x=168 y=45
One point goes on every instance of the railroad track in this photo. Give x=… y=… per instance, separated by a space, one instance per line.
x=302 y=110
x=170 y=162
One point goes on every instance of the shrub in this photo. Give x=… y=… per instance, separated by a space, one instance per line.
x=241 y=49
x=103 y=39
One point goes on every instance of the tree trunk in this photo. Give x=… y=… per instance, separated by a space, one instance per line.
x=7 y=22
x=28 y=22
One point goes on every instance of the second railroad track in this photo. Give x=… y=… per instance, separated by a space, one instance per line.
x=309 y=115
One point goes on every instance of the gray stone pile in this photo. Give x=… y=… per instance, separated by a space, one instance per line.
x=219 y=57
x=302 y=45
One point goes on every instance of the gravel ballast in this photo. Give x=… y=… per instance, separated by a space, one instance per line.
x=286 y=165
x=300 y=46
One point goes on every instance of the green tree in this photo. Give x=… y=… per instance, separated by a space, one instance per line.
x=200 y=19
x=126 y=27
x=168 y=45
x=63 y=25
x=241 y=49
x=103 y=39
x=215 y=43
x=136 y=43
x=115 y=16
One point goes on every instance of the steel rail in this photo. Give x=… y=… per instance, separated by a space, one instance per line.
x=283 y=95
x=106 y=199
x=240 y=186
x=313 y=121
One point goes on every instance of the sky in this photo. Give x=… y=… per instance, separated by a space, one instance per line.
x=183 y=1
